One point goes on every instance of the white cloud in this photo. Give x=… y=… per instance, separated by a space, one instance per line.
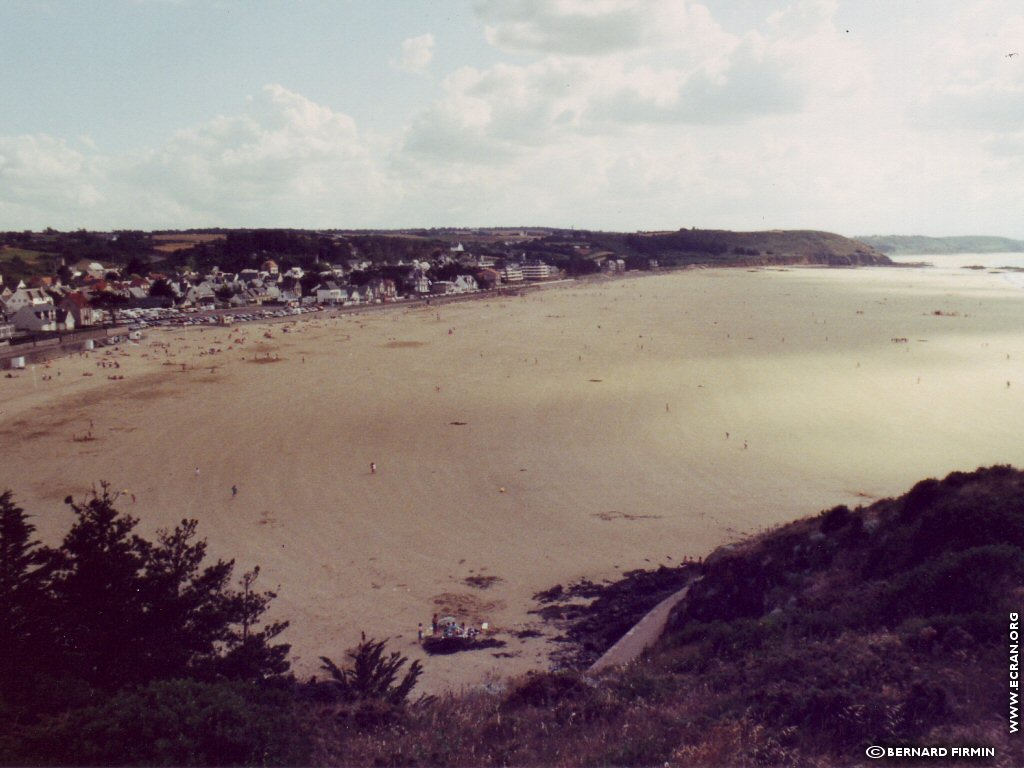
x=605 y=114
x=417 y=53
x=598 y=27
x=286 y=162
x=43 y=178
x=967 y=79
x=607 y=67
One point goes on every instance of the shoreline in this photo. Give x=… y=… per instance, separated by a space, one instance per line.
x=47 y=346
x=576 y=433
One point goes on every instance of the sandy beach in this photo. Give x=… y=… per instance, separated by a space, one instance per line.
x=574 y=432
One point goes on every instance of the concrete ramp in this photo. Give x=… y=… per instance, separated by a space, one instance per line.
x=641 y=637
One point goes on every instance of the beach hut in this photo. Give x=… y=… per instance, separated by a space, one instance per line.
x=18 y=363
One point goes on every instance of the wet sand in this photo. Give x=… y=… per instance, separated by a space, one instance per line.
x=575 y=432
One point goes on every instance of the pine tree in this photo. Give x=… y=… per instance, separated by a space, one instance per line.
x=130 y=611
x=97 y=585
x=23 y=595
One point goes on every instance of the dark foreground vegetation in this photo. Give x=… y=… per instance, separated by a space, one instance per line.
x=886 y=625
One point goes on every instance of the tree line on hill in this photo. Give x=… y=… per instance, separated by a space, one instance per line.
x=573 y=252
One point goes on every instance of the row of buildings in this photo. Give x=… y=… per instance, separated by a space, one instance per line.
x=95 y=293
x=37 y=309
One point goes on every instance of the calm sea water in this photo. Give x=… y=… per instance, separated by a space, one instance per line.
x=956 y=262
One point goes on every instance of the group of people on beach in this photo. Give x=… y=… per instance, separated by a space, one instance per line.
x=447 y=629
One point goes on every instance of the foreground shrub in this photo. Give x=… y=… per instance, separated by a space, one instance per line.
x=371 y=675
x=546 y=689
x=174 y=722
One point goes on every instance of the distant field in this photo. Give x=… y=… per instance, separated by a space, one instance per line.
x=9 y=253
x=20 y=263
x=173 y=243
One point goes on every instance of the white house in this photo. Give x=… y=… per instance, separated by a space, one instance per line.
x=421 y=284
x=330 y=293
x=203 y=294
x=76 y=305
x=442 y=287
x=97 y=270
x=538 y=270
x=23 y=296
x=512 y=273
x=383 y=288
x=65 y=320
x=465 y=284
x=36 y=317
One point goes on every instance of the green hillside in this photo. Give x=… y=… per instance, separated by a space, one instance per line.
x=917 y=245
x=722 y=247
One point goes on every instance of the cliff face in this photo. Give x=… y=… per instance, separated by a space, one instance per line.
x=756 y=248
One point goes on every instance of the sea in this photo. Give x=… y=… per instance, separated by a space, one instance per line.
x=957 y=262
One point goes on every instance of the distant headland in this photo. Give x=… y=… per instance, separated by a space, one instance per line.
x=918 y=245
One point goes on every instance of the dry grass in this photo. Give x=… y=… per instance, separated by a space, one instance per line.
x=174 y=243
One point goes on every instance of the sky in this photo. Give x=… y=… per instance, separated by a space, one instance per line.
x=853 y=116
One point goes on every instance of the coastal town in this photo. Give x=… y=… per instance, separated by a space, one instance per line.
x=53 y=284
x=91 y=294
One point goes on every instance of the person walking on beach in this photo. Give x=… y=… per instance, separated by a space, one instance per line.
x=234 y=491
x=197 y=471
x=373 y=467
x=419 y=632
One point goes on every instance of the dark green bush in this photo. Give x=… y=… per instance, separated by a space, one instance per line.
x=546 y=689
x=835 y=519
x=175 y=722
x=955 y=583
